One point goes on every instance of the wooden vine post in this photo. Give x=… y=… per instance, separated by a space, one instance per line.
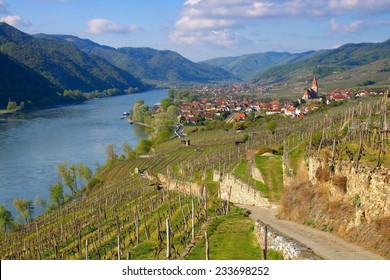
x=86 y=249
x=207 y=245
x=168 y=240
x=193 y=219
x=265 y=242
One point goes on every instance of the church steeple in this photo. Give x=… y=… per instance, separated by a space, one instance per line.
x=314 y=85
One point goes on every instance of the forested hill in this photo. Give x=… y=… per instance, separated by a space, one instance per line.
x=150 y=65
x=21 y=83
x=327 y=62
x=65 y=66
x=248 y=66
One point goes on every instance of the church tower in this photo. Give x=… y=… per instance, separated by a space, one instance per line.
x=314 y=85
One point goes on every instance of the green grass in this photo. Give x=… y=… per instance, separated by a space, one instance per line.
x=296 y=154
x=241 y=172
x=272 y=171
x=230 y=238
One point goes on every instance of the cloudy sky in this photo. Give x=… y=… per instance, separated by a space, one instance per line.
x=202 y=29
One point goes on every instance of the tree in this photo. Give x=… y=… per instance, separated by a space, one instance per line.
x=68 y=176
x=271 y=126
x=128 y=151
x=5 y=218
x=25 y=207
x=163 y=136
x=57 y=193
x=84 y=173
x=166 y=102
x=143 y=146
x=40 y=202
x=110 y=151
x=172 y=112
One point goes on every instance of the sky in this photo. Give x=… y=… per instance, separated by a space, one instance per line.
x=204 y=29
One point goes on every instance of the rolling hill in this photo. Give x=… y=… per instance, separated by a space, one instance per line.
x=246 y=67
x=328 y=62
x=159 y=67
x=62 y=64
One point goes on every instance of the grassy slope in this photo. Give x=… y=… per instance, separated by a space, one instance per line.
x=223 y=232
x=271 y=169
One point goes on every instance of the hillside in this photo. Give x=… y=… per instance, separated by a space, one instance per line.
x=164 y=210
x=327 y=62
x=246 y=67
x=21 y=83
x=150 y=65
x=62 y=64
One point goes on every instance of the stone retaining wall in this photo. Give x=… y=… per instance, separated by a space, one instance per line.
x=288 y=247
x=189 y=188
x=239 y=192
x=367 y=189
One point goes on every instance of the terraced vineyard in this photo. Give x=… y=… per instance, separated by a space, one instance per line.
x=126 y=214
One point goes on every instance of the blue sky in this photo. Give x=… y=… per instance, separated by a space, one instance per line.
x=202 y=29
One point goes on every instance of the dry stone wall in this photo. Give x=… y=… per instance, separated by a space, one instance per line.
x=189 y=188
x=368 y=190
x=288 y=247
x=239 y=192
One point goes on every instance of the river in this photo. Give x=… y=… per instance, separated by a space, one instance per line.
x=34 y=143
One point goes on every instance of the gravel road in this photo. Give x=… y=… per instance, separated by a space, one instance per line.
x=324 y=244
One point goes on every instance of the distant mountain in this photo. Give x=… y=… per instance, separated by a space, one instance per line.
x=21 y=83
x=150 y=65
x=246 y=67
x=328 y=62
x=62 y=64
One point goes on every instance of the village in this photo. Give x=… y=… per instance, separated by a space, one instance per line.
x=231 y=103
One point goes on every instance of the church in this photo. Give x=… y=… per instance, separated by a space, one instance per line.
x=311 y=94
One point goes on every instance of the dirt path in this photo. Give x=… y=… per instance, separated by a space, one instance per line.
x=324 y=244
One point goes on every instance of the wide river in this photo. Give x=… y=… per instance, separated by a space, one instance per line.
x=33 y=144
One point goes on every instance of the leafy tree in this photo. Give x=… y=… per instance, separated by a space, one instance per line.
x=25 y=207
x=84 y=173
x=172 y=93
x=162 y=121
x=5 y=218
x=40 y=202
x=163 y=136
x=110 y=151
x=166 y=102
x=68 y=176
x=57 y=193
x=143 y=146
x=128 y=151
x=172 y=112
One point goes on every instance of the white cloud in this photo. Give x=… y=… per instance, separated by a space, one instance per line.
x=15 y=20
x=100 y=26
x=346 y=28
x=359 y=5
x=200 y=18
x=220 y=38
x=187 y=23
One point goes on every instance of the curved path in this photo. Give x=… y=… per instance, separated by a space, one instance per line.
x=324 y=244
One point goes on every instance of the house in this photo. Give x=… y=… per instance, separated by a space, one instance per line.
x=240 y=116
x=272 y=111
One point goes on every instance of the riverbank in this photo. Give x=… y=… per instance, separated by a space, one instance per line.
x=34 y=144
